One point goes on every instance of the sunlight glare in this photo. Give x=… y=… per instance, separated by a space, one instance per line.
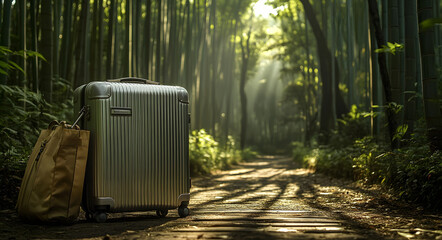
x=264 y=10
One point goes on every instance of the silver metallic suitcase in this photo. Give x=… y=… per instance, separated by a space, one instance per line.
x=139 y=148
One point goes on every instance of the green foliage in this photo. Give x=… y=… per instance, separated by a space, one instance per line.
x=206 y=155
x=248 y=154
x=229 y=154
x=299 y=152
x=203 y=152
x=63 y=92
x=413 y=172
x=391 y=48
x=7 y=65
x=396 y=108
x=354 y=161
x=400 y=132
x=429 y=23
x=350 y=127
x=23 y=114
x=335 y=162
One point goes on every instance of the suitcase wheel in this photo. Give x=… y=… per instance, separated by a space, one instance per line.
x=162 y=213
x=183 y=211
x=100 y=217
x=89 y=216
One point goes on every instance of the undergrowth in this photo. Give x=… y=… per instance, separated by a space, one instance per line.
x=412 y=172
x=23 y=114
x=207 y=155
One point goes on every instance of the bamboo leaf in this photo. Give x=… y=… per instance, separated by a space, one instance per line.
x=400 y=131
x=4 y=50
x=3 y=64
x=12 y=131
x=16 y=66
x=30 y=53
x=429 y=23
x=3 y=72
x=50 y=116
x=28 y=102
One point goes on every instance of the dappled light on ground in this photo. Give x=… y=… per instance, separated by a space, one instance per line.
x=265 y=198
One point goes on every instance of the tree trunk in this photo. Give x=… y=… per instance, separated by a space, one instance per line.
x=308 y=133
x=188 y=47
x=136 y=15
x=56 y=39
x=158 y=44
x=81 y=72
x=148 y=37
x=99 y=53
x=34 y=65
x=411 y=54
x=22 y=34
x=245 y=51
x=46 y=50
x=402 y=59
x=433 y=114
x=128 y=44
x=333 y=63
x=1 y=11
x=94 y=41
x=325 y=65
x=395 y=59
x=215 y=74
x=72 y=44
x=67 y=28
x=350 y=51
x=110 y=64
x=374 y=17
x=5 y=33
x=371 y=87
x=376 y=88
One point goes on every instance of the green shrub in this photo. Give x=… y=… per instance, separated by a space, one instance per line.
x=22 y=114
x=299 y=152
x=351 y=127
x=206 y=155
x=366 y=166
x=202 y=152
x=229 y=155
x=248 y=154
x=412 y=172
x=335 y=162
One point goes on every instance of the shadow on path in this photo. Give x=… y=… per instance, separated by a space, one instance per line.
x=269 y=184
x=267 y=198
x=11 y=227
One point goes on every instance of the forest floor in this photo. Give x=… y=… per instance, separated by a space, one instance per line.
x=266 y=198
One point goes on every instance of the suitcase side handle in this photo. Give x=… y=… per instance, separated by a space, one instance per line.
x=133 y=80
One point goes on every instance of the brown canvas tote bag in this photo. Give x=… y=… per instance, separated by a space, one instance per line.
x=52 y=186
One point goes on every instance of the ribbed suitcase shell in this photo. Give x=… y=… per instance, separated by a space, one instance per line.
x=138 y=158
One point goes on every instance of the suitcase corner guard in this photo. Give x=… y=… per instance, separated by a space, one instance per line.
x=98 y=90
x=105 y=201
x=185 y=197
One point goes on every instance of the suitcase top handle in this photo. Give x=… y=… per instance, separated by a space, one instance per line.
x=133 y=80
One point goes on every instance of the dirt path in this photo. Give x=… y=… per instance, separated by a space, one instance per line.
x=261 y=199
